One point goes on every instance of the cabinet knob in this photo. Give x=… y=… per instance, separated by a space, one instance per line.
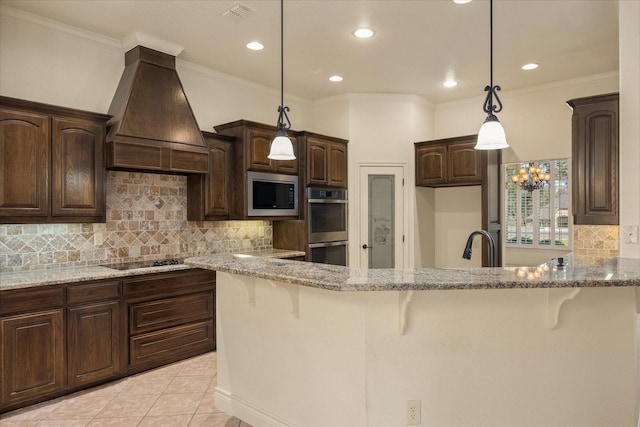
x=365 y=246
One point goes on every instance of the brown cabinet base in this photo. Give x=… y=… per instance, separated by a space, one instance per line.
x=155 y=348
x=59 y=339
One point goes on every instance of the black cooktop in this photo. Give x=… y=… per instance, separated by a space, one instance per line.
x=144 y=264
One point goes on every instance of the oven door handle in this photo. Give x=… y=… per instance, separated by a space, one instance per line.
x=336 y=201
x=327 y=244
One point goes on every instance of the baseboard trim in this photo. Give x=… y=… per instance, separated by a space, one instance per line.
x=247 y=411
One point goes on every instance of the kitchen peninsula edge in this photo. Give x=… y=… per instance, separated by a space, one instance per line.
x=303 y=344
x=614 y=272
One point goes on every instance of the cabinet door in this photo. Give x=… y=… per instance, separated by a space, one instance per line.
x=32 y=355
x=24 y=164
x=337 y=167
x=430 y=165
x=595 y=162
x=258 y=144
x=317 y=162
x=218 y=180
x=95 y=337
x=78 y=168
x=464 y=164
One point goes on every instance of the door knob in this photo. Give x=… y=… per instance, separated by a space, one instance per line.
x=365 y=246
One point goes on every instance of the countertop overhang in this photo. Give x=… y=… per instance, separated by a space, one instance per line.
x=614 y=272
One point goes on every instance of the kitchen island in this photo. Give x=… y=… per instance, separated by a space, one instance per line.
x=304 y=344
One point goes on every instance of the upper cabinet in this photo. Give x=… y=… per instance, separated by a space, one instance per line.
x=52 y=164
x=209 y=196
x=595 y=159
x=449 y=162
x=254 y=140
x=324 y=160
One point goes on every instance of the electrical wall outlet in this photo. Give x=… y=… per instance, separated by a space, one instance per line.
x=413 y=413
x=629 y=234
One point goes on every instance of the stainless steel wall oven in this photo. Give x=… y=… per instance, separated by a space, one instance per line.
x=327 y=222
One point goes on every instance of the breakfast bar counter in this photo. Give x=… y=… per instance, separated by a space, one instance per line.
x=303 y=344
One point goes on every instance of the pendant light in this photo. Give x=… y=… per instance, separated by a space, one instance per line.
x=281 y=146
x=491 y=135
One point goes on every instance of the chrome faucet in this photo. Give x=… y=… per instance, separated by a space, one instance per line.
x=492 y=247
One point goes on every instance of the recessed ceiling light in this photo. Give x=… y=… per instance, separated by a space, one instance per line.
x=450 y=83
x=363 y=33
x=462 y=1
x=255 y=46
x=530 y=66
x=336 y=78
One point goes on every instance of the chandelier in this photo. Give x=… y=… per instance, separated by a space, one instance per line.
x=531 y=178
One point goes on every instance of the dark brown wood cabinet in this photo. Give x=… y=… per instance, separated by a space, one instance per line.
x=62 y=338
x=448 y=162
x=52 y=163
x=249 y=153
x=209 y=196
x=253 y=146
x=33 y=344
x=595 y=162
x=95 y=332
x=171 y=317
x=324 y=160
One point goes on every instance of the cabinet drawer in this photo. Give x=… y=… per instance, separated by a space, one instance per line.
x=92 y=292
x=152 y=315
x=172 y=344
x=154 y=286
x=31 y=300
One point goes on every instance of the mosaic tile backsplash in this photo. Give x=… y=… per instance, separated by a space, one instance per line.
x=596 y=242
x=146 y=220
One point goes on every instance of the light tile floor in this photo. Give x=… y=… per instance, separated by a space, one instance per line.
x=180 y=394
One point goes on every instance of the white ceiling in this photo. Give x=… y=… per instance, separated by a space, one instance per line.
x=417 y=42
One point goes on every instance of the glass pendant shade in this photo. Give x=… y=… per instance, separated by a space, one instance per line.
x=491 y=135
x=281 y=147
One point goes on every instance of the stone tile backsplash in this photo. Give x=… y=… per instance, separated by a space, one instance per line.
x=146 y=220
x=595 y=242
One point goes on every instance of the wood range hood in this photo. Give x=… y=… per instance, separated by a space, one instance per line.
x=153 y=128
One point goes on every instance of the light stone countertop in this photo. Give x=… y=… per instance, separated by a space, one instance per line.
x=611 y=273
x=36 y=278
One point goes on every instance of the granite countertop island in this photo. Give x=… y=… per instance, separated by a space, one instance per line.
x=613 y=272
x=522 y=346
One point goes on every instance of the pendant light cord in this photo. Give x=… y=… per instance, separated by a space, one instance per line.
x=282 y=110
x=492 y=91
x=282 y=52
x=491 y=42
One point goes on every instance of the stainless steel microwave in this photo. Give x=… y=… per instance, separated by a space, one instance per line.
x=271 y=194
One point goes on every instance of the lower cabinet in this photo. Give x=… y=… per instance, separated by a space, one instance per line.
x=62 y=338
x=169 y=323
x=32 y=355
x=95 y=333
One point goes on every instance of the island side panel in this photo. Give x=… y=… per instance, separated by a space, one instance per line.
x=472 y=357
x=278 y=369
x=488 y=358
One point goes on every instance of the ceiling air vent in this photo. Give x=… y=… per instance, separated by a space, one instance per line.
x=238 y=11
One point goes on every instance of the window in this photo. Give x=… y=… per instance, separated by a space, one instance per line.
x=540 y=218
